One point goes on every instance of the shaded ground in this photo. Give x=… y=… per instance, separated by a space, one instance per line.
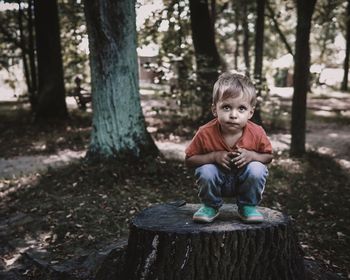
x=81 y=207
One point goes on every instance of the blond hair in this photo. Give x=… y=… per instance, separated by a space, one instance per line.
x=234 y=85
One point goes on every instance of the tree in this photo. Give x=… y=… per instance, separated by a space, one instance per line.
x=301 y=76
x=344 y=85
x=207 y=56
x=236 y=37
x=118 y=123
x=31 y=55
x=26 y=34
x=259 y=52
x=51 y=92
x=246 y=35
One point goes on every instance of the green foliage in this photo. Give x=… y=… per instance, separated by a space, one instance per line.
x=73 y=36
x=284 y=14
x=9 y=37
x=170 y=28
x=74 y=41
x=329 y=21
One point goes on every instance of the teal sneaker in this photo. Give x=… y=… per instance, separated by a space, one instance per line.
x=250 y=214
x=205 y=214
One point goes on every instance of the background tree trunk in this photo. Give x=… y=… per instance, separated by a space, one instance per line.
x=31 y=54
x=164 y=243
x=207 y=56
x=51 y=93
x=301 y=76
x=246 y=45
x=259 y=52
x=344 y=85
x=24 y=52
x=118 y=123
x=236 y=36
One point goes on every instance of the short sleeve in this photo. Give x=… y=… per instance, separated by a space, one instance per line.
x=265 y=144
x=195 y=147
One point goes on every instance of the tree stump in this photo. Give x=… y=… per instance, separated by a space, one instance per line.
x=164 y=243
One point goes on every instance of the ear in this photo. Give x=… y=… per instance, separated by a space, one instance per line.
x=213 y=110
x=251 y=112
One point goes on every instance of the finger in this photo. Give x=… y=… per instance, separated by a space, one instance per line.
x=237 y=158
x=240 y=162
x=236 y=154
x=227 y=158
x=226 y=166
x=231 y=154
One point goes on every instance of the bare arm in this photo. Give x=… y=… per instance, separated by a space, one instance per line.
x=220 y=157
x=225 y=159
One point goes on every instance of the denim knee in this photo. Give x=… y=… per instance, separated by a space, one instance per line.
x=207 y=173
x=209 y=181
x=256 y=171
x=252 y=183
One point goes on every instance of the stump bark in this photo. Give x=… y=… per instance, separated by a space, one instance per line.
x=164 y=243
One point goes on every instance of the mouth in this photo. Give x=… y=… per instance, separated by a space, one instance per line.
x=232 y=124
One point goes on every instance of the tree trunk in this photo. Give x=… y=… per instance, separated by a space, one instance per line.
x=246 y=45
x=344 y=85
x=164 y=243
x=236 y=36
x=259 y=52
x=24 y=51
x=31 y=54
x=301 y=76
x=51 y=93
x=207 y=56
x=118 y=123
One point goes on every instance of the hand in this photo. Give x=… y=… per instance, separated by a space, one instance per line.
x=242 y=157
x=223 y=159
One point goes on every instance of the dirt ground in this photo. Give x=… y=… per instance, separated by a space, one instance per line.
x=52 y=201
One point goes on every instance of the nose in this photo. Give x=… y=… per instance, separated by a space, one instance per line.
x=233 y=114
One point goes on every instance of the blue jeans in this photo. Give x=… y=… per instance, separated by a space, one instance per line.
x=246 y=184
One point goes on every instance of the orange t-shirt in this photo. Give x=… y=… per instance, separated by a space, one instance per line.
x=209 y=139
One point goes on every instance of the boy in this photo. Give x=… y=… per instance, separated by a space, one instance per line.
x=230 y=152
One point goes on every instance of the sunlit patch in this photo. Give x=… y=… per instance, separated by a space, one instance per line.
x=333 y=135
x=325 y=151
x=152 y=129
x=280 y=142
x=344 y=163
x=17 y=166
x=292 y=165
x=321 y=113
x=172 y=150
x=39 y=146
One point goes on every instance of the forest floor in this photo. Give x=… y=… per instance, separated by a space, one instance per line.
x=55 y=205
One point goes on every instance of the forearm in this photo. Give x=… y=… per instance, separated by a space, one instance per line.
x=198 y=160
x=263 y=158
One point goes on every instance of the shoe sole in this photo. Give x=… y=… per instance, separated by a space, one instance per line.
x=199 y=219
x=253 y=220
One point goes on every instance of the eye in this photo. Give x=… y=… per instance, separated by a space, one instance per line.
x=226 y=107
x=242 y=108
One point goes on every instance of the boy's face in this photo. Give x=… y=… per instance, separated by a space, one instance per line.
x=232 y=113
